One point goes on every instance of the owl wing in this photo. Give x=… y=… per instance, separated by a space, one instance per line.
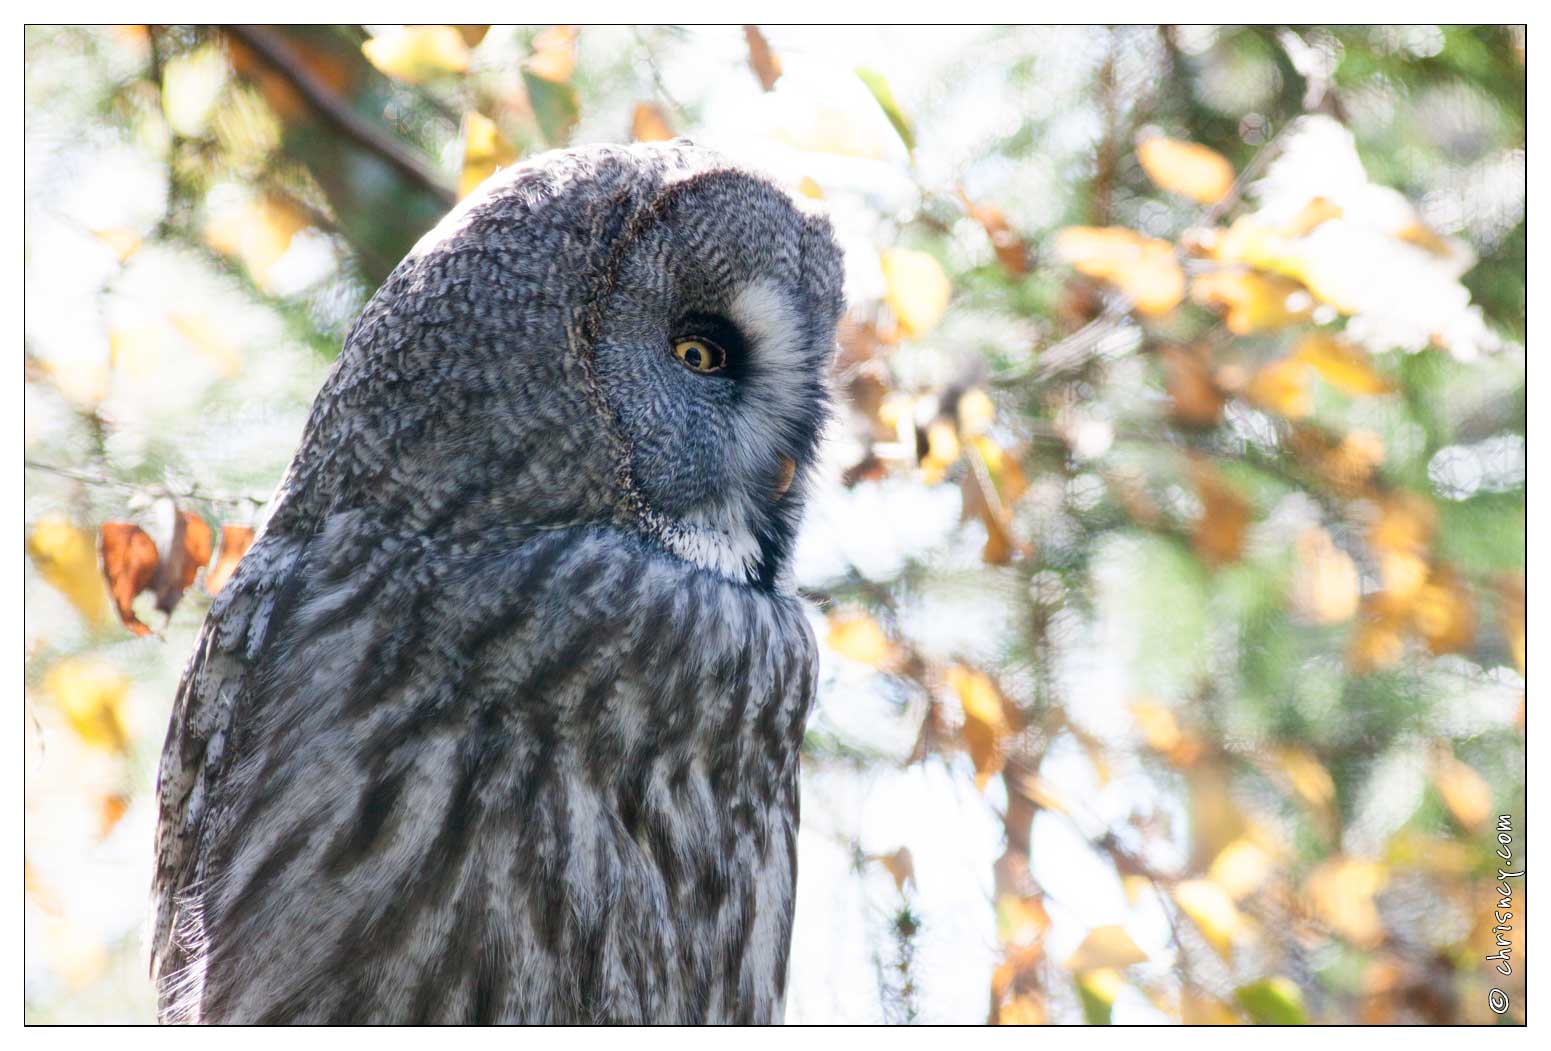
x=210 y=697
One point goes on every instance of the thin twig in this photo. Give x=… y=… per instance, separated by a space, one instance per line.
x=193 y=492
x=269 y=46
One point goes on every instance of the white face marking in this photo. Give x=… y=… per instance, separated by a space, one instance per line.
x=720 y=538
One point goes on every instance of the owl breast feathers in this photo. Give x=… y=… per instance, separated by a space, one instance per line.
x=499 y=719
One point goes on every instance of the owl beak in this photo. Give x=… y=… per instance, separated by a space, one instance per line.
x=784 y=482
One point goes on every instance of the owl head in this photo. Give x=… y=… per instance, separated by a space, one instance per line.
x=632 y=336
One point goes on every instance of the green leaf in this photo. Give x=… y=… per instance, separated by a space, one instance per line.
x=885 y=97
x=554 y=105
x=1272 y=1001
x=1096 y=1010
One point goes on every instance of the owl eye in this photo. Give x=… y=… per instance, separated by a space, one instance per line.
x=700 y=355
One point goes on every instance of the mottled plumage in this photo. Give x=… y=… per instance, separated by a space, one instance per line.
x=498 y=720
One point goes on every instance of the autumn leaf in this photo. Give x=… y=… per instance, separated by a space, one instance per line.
x=766 y=67
x=916 y=290
x=91 y=696
x=417 y=54
x=1251 y=301
x=129 y=562
x=1443 y=612
x=899 y=865
x=1163 y=735
x=1341 y=892
x=1096 y=991
x=1105 y=947
x=1011 y=252
x=1187 y=168
x=1213 y=911
x=1200 y=1009
x=857 y=636
x=1144 y=268
x=985 y=720
x=1326 y=588
x=485 y=151
x=547 y=77
x=67 y=560
x=1022 y=1010
x=472 y=35
x=1400 y=536
x=984 y=503
x=1219 y=533
x=649 y=123
x=1341 y=365
x=110 y=812
x=257 y=233
x=1464 y=792
x=1196 y=397
x=1283 y=387
x=1241 y=867
x=235 y=541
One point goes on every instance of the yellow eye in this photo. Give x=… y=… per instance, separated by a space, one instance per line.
x=701 y=355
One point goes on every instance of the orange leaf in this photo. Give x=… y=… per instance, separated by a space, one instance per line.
x=649 y=123
x=235 y=541
x=1011 y=252
x=129 y=562
x=1202 y=174
x=761 y=59
x=857 y=636
x=985 y=720
x=1252 y=301
x=1283 y=387
x=1144 y=268
x=1196 y=397
x=1443 y=612
x=1341 y=365
x=1219 y=535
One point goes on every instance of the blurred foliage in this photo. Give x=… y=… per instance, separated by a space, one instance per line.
x=1216 y=332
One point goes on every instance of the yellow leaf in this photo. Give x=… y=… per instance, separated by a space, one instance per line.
x=1400 y=537
x=1252 y=301
x=916 y=290
x=1376 y=644
x=258 y=233
x=1213 y=911
x=1326 y=588
x=1341 y=365
x=417 y=54
x=1306 y=775
x=91 y=696
x=985 y=720
x=1283 y=387
x=975 y=412
x=649 y=123
x=1341 y=892
x=66 y=557
x=191 y=85
x=1464 y=792
x=1242 y=866
x=1144 y=268
x=809 y=188
x=485 y=151
x=1202 y=174
x=1163 y=734
x=857 y=636
x=1105 y=948
x=1443 y=612
x=209 y=340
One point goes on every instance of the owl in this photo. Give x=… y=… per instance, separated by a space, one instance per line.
x=499 y=718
